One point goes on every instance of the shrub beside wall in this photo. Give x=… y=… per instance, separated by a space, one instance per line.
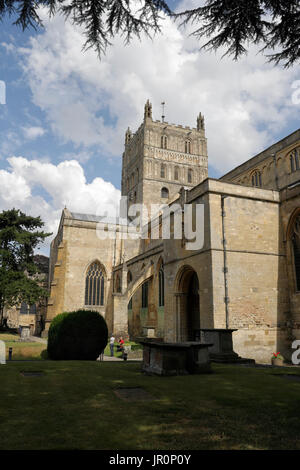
x=80 y=335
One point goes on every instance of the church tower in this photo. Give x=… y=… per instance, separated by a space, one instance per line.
x=160 y=158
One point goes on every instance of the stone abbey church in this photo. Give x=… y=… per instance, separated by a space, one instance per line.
x=245 y=277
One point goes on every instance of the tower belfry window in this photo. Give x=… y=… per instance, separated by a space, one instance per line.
x=163 y=141
x=162 y=170
x=190 y=175
x=187 y=146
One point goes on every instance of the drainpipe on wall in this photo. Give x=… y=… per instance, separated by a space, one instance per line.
x=115 y=248
x=225 y=267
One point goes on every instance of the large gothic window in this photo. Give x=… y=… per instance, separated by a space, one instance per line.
x=161 y=287
x=296 y=250
x=94 y=285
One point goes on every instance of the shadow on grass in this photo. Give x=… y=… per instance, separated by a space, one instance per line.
x=74 y=406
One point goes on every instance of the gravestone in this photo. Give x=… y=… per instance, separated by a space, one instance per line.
x=2 y=353
x=25 y=333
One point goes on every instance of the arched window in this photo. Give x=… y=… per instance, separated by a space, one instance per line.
x=294 y=159
x=256 y=179
x=163 y=142
x=32 y=309
x=176 y=173
x=24 y=308
x=118 y=287
x=190 y=175
x=164 y=193
x=145 y=295
x=295 y=237
x=94 y=285
x=161 y=287
x=187 y=146
x=162 y=170
x=129 y=277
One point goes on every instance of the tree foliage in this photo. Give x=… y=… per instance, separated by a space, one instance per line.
x=79 y=335
x=233 y=24
x=18 y=238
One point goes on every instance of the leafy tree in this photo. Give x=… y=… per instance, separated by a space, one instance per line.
x=275 y=24
x=18 y=238
x=79 y=335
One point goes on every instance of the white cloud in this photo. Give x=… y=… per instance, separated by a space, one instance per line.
x=9 y=47
x=33 y=132
x=90 y=103
x=62 y=184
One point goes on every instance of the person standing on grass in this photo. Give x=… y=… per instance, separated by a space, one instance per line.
x=111 y=344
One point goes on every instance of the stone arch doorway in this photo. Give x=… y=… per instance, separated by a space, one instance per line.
x=187 y=305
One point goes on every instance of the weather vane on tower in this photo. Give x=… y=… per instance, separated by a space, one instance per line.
x=163 y=111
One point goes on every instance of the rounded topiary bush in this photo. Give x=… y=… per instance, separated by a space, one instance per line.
x=77 y=335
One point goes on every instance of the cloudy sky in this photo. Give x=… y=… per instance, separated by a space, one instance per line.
x=62 y=127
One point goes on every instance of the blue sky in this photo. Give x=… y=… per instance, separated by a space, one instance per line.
x=62 y=127
x=20 y=112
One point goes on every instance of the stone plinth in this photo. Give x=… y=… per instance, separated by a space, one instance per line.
x=149 y=331
x=161 y=358
x=221 y=349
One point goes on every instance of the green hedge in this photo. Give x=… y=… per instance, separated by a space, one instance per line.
x=81 y=335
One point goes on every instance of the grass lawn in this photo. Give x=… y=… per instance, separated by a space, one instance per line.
x=32 y=350
x=73 y=406
x=22 y=349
